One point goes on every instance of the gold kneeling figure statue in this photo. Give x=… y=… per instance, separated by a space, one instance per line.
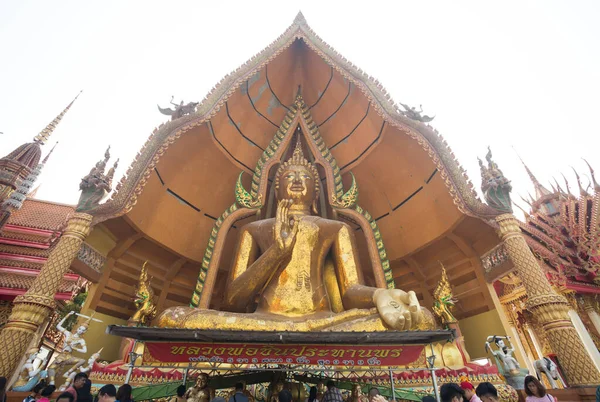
x=300 y=272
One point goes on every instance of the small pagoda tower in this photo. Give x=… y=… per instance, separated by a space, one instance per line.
x=20 y=163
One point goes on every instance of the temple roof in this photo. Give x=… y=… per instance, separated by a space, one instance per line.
x=40 y=214
x=183 y=177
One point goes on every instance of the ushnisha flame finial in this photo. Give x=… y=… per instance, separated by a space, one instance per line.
x=43 y=136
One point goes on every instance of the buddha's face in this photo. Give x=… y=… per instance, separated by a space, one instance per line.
x=297 y=183
x=202 y=381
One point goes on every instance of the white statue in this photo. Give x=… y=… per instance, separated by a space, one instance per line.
x=548 y=367
x=84 y=369
x=72 y=342
x=504 y=354
x=29 y=375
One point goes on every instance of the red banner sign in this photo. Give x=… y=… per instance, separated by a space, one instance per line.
x=318 y=355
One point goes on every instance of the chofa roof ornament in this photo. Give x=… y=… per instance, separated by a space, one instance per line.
x=495 y=187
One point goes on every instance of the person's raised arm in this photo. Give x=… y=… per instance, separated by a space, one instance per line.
x=59 y=326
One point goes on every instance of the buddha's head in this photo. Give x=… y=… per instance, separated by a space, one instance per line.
x=202 y=380
x=298 y=180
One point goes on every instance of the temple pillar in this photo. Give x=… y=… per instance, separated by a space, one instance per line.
x=583 y=333
x=33 y=308
x=550 y=309
x=592 y=313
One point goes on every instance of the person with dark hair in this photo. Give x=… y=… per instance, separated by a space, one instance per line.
x=285 y=395
x=107 y=393
x=487 y=392
x=373 y=392
x=535 y=390
x=332 y=394
x=3 y=382
x=46 y=393
x=124 y=393
x=469 y=391
x=35 y=392
x=239 y=395
x=428 y=398
x=65 y=397
x=180 y=394
x=452 y=393
x=78 y=382
x=312 y=395
x=84 y=394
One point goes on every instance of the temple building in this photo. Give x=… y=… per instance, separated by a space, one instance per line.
x=383 y=171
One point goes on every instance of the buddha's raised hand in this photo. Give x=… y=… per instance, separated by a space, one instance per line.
x=284 y=231
x=398 y=309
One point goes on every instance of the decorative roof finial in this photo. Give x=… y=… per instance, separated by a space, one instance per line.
x=596 y=185
x=540 y=190
x=581 y=190
x=495 y=187
x=43 y=136
x=522 y=210
x=299 y=20
x=567 y=186
x=49 y=153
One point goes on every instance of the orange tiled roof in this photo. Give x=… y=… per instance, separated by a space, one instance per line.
x=41 y=215
x=16 y=281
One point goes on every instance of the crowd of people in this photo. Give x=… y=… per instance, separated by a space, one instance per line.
x=79 y=391
x=487 y=392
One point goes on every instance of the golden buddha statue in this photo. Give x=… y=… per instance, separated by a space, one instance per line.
x=301 y=272
x=357 y=395
x=200 y=392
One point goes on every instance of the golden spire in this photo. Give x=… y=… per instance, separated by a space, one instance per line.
x=43 y=136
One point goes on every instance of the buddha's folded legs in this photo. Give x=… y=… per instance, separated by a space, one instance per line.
x=188 y=317
x=195 y=318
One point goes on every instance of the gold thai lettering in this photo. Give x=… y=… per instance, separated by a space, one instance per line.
x=382 y=353
x=207 y=351
x=338 y=352
x=266 y=350
x=193 y=350
x=235 y=351
x=251 y=351
x=177 y=350
x=219 y=351
x=396 y=352
x=365 y=353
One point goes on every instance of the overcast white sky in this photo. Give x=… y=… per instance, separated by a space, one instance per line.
x=523 y=74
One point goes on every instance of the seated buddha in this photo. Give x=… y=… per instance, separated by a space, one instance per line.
x=301 y=272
